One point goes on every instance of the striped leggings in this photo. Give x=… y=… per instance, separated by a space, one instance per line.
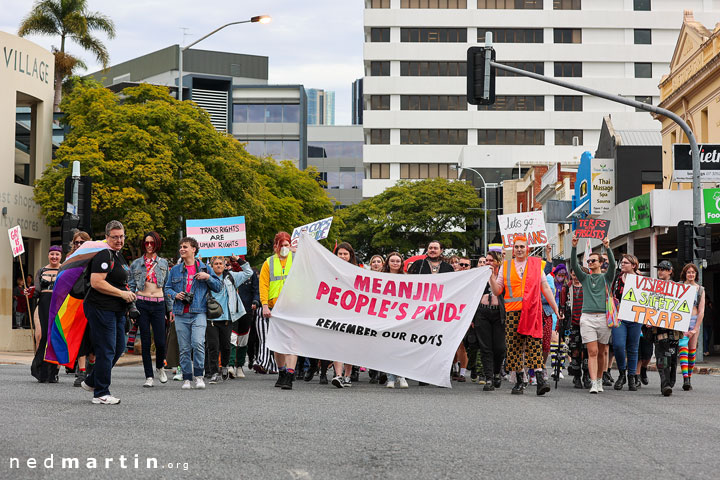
x=265 y=358
x=521 y=347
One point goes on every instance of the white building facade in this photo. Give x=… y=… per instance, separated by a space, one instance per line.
x=417 y=122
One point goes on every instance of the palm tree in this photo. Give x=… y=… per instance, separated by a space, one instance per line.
x=69 y=19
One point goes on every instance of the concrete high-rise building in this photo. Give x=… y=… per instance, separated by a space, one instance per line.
x=418 y=124
x=321 y=107
x=357 y=102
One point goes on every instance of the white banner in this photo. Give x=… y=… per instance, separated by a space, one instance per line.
x=530 y=224
x=407 y=325
x=319 y=230
x=657 y=303
x=16 y=242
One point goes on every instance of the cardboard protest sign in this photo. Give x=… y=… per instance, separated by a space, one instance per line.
x=16 y=242
x=530 y=224
x=408 y=325
x=318 y=230
x=219 y=236
x=592 y=228
x=657 y=303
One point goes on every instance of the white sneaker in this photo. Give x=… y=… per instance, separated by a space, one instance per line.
x=239 y=373
x=390 y=384
x=186 y=385
x=402 y=382
x=178 y=375
x=593 y=386
x=148 y=382
x=105 y=400
x=199 y=382
x=86 y=387
x=599 y=385
x=162 y=376
x=231 y=372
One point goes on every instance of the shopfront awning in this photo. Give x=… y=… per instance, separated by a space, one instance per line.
x=582 y=207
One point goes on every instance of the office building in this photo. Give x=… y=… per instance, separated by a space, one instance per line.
x=357 y=102
x=336 y=152
x=321 y=107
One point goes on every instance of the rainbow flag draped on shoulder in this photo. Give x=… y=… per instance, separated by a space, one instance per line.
x=67 y=320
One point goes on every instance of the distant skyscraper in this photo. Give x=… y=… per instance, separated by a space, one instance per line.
x=321 y=107
x=357 y=102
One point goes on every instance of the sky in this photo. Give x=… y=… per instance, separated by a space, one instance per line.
x=316 y=43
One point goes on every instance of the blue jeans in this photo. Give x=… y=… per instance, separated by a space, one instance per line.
x=627 y=336
x=107 y=330
x=152 y=314
x=190 y=329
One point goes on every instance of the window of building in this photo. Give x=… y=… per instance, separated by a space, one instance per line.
x=339 y=150
x=510 y=4
x=512 y=35
x=568 y=69
x=643 y=36
x=565 y=137
x=426 y=170
x=433 y=3
x=342 y=180
x=567 y=35
x=379 y=34
x=379 y=3
x=433 y=136
x=433 y=69
x=566 y=5
x=380 y=136
x=531 y=103
x=433 y=102
x=379 y=102
x=291 y=113
x=647 y=100
x=379 y=170
x=535 y=67
x=379 y=69
x=256 y=113
x=273 y=114
x=643 y=70
x=511 y=137
x=261 y=113
x=240 y=113
x=278 y=149
x=641 y=5
x=442 y=35
x=568 y=103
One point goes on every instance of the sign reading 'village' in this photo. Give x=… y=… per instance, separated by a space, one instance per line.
x=20 y=62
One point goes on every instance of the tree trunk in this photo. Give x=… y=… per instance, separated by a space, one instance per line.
x=58 y=91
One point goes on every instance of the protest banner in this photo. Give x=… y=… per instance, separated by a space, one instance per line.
x=318 y=230
x=657 y=303
x=408 y=325
x=218 y=236
x=530 y=224
x=16 y=242
x=592 y=228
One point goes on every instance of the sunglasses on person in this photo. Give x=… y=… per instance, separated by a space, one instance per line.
x=78 y=243
x=149 y=243
x=465 y=265
x=592 y=260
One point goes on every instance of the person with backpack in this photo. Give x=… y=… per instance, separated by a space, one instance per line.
x=219 y=329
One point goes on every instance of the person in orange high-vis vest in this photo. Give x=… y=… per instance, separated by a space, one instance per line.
x=520 y=281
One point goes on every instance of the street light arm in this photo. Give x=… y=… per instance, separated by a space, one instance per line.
x=214 y=32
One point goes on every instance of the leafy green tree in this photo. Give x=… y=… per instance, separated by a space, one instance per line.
x=68 y=19
x=154 y=160
x=405 y=217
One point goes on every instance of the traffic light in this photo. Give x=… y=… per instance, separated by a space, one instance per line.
x=81 y=219
x=702 y=241
x=480 y=76
x=685 y=242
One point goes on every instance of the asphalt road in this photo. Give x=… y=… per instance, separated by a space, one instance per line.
x=246 y=429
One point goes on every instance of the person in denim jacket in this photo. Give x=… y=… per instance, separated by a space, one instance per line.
x=148 y=275
x=187 y=288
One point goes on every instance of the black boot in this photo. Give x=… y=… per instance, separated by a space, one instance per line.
x=287 y=384
x=577 y=381
x=643 y=376
x=281 y=379
x=497 y=380
x=355 y=374
x=686 y=384
x=489 y=385
x=323 y=378
x=310 y=374
x=542 y=385
x=607 y=379
x=519 y=387
x=665 y=387
x=621 y=380
x=587 y=382
x=382 y=378
x=373 y=377
x=633 y=382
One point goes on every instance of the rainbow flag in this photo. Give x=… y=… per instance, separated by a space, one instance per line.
x=67 y=321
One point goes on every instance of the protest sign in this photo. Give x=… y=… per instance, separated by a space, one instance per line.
x=657 y=303
x=408 y=325
x=530 y=224
x=592 y=228
x=218 y=236
x=16 y=242
x=317 y=230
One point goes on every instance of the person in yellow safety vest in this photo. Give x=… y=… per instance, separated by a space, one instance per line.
x=272 y=278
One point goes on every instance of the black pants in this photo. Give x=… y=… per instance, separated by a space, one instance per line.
x=490 y=330
x=152 y=314
x=217 y=336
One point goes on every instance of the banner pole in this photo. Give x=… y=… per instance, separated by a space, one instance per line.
x=30 y=315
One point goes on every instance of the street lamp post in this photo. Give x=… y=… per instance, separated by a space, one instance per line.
x=256 y=19
x=459 y=169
